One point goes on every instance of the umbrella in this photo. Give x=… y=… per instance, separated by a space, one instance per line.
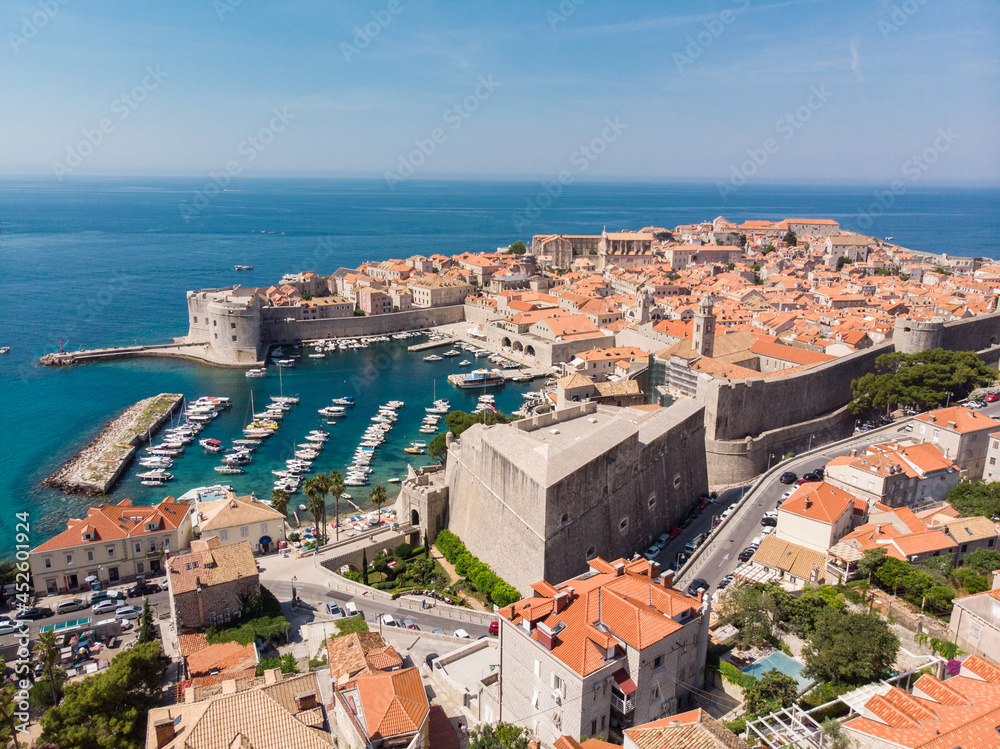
x=90 y=579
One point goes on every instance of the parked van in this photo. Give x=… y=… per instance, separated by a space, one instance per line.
x=350 y=609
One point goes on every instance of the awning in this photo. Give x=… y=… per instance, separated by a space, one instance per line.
x=264 y=540
x=624 y=681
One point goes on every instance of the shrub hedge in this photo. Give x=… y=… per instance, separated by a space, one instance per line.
x=478 y=573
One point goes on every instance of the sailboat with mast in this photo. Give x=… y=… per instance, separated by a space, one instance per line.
x=244 y=266
x=256 y=429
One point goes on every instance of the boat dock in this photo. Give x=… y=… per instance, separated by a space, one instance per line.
x=427 y=345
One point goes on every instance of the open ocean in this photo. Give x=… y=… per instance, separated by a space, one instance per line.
x=102 y=262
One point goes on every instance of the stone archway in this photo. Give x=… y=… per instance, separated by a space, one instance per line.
x=505 y=343
x=529 y=350
x=414 y=517
x=518 y=347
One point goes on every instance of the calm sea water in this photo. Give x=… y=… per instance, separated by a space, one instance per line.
x=107 y=261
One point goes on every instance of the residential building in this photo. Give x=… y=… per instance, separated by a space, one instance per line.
x=349 y=656
x=991 y=471
x=273 y=712
x=236 y=520
x=815 y=516
x=581 y=481
x=975 y=623
x=221 y=662
x=381 y=710
x=897 y=531
x=894 y=474
x=960 y=713
x=206 y=585
x=600 y=364
x=968 y=534
x=613 y=648
x=961 y=433
x=778 y=560
x=435 y=291
x=374 y=301
x=114 y=543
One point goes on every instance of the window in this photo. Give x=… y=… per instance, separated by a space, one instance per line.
x=558 y=684
x=658 y=663
x=974 y=629
x=965 y=548
x=623 y=524
x=139 y=568
x=871 y=486
x=48 y=563
x=152 y=544
x=538 y=668
x=564 y=519
x=593 y=727
x=69 y=560
x=602 y=721
x=232 y=325
x=854 y=480
x=194 y=319
x=224 y=535
x=245 y=531
x=138 y=547
x=677 y=480
x=234 y=338
x=263 y=527
x=990 y=544
x=166 y=542
x=654 y=694
x=652 y=502
x=534 y=699
x=215 y=323
x=111 y=552
x=90 y=555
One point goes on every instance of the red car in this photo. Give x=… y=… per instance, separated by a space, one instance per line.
x=703 y=503
x=992 y=398
x=494 y=628
x=674 y=532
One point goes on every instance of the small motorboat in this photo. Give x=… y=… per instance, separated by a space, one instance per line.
x=414 y=450
x=212 y=445
x=229 y=470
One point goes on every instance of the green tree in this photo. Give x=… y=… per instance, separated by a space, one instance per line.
x=850 y=648
x=504 y=594
x=500 y=736
x=108 y=709
x=743 y=241
x=438 y=448
x=983 y=561
x=364 y=566
x=664 y=236
x=871 y=561
x=842 y=261
x=8 y=718
x=313 y=488
x=403 y=551
x=517 y=248
x=286 y=663
x=749 y=608
x=773 y=691
x=378 y=497
x=833 y=728
x=147 y=633
x=47 y=652
x=279 y=501
x=790 y=238
x=335 y=479
x=976 y=498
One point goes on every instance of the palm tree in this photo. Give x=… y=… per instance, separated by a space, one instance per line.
x=336 y=480
x=315 y=504
x=47 y=651
x=322 y=483
x=279 y=501
x=378 y=496
x=7 y=708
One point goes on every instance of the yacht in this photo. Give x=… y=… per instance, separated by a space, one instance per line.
x=464 y=363
x=333 y=412
x=427 y=429
x=440 y=406
x=347 y=400
x=284 y=362
x=432 y=357
x=4 y=349
x=229 y=470
x=452 y=352
x=212 y=445
x=156 y=475
x=478 y=378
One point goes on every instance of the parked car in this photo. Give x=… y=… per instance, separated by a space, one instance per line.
x=674 y=533
x=70 y=605
x=661 y=540
x=651 y=552
x=992 y=398
x=821 y=472
x=429 y=659
x=801 y=481
x=105 y=595
x=128 y=612
x=140 y=590
x=495 y=628
x=388 y=621
x=767 y=530
x=768 y=521
x=461 y=633
x=746 y=554
x=34 y=613
x=788 y=478
x=696 y=585
x=350 y=609
x=812 y=476
x=408 y=623
x=333 y=609
x=7 y=626
x=703 y=502
x=105 y=606
x=437 y=631
x=725 y=582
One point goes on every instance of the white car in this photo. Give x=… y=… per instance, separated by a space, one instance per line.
x=388 y=621
x=651 y=552
x=461 y=633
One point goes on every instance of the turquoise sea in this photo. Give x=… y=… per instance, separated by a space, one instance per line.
x=100 y=262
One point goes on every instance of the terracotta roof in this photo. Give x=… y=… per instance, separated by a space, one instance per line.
x=210 y=563
x=393 y=704
x=796 y=560
x=227 y=656
x=347 y=655
x=123 y=520
x=959 y=419
x=818 y=500
x=695 y=729
x=232 y=511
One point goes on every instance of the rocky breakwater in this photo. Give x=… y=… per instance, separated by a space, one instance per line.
x=97 y=467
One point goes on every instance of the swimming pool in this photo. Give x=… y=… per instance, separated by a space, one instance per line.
x=780 y=661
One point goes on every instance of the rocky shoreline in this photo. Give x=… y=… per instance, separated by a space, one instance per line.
x=98 y=466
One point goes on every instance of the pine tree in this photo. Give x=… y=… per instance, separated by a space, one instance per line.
x=364 y=566
x=146 y=631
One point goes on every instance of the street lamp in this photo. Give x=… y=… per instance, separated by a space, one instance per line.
x=769 y=459
x=810 y=442
x=294 y=578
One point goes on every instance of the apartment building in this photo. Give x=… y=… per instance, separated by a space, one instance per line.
x=207 y=584
x=112 y=544
x=234 y=520
x=962 y=434
x=815 y=516
x=613 y=648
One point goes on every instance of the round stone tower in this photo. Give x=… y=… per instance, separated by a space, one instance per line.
x=914 y=336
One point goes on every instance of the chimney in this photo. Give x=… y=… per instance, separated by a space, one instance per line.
x=229 y=686
x=560 y=600
x=654 y=569
x=165 y=732
x=878 y=528
x=667 y=579
x=619 y=569
x=305 y=701
x=546 y=637
x=272 y=676
x=854 y=453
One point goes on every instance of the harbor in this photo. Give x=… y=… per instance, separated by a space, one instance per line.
x=97 y=468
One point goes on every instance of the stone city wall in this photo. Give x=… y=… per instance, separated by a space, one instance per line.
x=278 y=331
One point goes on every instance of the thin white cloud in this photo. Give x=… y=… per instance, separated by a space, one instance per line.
x=855 y=62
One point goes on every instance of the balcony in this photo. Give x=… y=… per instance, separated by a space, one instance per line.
x=154 y=553
x=623 y=705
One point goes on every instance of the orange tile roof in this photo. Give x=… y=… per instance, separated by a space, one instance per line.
x=394 y=703
x=123 y=520
x=227 y=656
x=959 y=419
x=819 y=500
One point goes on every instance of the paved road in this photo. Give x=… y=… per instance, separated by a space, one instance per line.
x=720 y=559
x=158 y=601
x=318 y=595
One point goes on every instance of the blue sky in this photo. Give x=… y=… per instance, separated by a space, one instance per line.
x=816 y=91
